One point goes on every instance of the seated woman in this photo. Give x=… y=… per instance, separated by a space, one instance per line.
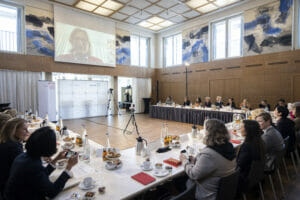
x=251 y=150
x=207 y=102
x=29 y=179
x=186 y=101
x=11 y=112
x=285 y=126
x=219 y=102
x=264 y=105
x=296 y=113
x=169 y=100
x=231 y=103
x=213 y=162
x=245 y=104
x=198 y=102
x=13 y=134
x=281 y=102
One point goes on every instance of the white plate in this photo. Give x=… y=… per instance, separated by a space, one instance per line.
x=81 y=186
x=161 y=173
x=146 y=169
x=113 y=167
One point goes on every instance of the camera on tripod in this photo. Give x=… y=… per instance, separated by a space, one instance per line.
x=132 y=107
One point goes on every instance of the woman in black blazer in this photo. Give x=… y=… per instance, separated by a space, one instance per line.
x=28 y=178
x=13 y=134
x=251 y=150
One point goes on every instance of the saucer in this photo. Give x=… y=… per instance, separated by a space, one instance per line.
x=112 y=167
x=146 y=169
x=161 y=173
x=81 y=186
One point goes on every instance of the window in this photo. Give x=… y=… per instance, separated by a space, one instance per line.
x=227 y=38
x=139 y=50
x=10 y=28
x=173 y=50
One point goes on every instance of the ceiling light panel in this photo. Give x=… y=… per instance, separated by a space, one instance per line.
x=145 y=24
x=222 y=3
x=103 y=11
x=112 y=5
x=155 y=27
x=166 y=23
x=207 y=8
x=85 y=6
x=155 y=20
x=196 y=3
x=97 y=2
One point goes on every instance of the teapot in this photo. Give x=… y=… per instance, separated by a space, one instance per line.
x=140 y=145
x=64 y=131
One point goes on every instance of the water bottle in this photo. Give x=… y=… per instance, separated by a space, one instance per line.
x=86 y=149
x=162 y=132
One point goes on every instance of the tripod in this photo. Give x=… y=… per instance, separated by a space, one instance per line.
x=132 y=119
x=108 y=106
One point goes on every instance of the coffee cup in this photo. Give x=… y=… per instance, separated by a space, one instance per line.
x=88 y=182
x=146 y=164
x=158 y=166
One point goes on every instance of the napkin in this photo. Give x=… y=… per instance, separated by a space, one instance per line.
x=173 y=162
x=236 y=141
x=143 y=178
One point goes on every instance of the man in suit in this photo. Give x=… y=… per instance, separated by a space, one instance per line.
x=273 y=140
x=219 y=102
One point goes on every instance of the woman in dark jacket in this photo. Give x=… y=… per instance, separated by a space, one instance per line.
x=28 y=178
x=251 y=150
x=285 y=126
x=13 y=134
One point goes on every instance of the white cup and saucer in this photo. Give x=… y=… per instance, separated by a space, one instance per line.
x=87 y=184
x=146 y=166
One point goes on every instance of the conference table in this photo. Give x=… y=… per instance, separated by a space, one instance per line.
x=118 y=182
x=191 y=115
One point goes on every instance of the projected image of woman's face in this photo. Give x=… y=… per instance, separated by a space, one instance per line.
x=80 y=44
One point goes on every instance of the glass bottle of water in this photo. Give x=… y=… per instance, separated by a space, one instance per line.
x=107 y=140
x=162 y=132
x=86 y=149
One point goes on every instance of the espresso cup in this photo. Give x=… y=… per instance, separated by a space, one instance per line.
x=88 y=182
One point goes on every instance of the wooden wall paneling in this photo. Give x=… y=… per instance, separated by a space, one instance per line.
x=296 y=88
x=232 y=88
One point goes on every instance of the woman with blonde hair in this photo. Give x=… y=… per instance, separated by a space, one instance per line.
x=13 y=133
x=215 y=161
x=245 y=104
x=12 y=112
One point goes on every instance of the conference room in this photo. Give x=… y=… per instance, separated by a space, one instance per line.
x=149 y=99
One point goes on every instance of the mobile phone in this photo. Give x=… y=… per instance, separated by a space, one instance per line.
x=69 y=154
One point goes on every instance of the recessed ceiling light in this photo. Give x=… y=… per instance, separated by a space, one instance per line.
x=221 y=3
x=85 y=6
x=166 y=23
x=103 y=11
x=97 y=2
x=196 y=3
x=155 y=20
x=207 y=8
x=145 y=24
x=155 y=27
x=112 y=5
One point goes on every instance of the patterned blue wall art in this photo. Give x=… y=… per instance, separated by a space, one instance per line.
x=39 y=32
x=195 y=45
x=122 y=47
x=268 y=29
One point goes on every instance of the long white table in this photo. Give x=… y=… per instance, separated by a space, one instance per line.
x=118 y=183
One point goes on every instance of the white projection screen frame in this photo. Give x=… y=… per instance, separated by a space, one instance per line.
x=83 y=39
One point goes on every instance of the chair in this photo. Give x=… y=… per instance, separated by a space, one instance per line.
x=188 y=193
x=228 y=186
x=256 y=175
x=286 y=142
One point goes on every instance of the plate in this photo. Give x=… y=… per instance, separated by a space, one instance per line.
x=68 y=146
x=161 y=173
x=113 y=167
x=81 y=186
x=146 y=169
